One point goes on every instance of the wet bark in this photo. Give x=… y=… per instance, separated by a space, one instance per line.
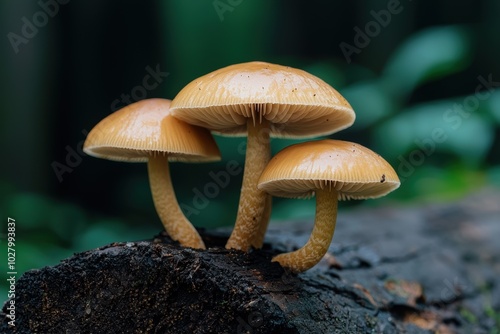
x=389 y=270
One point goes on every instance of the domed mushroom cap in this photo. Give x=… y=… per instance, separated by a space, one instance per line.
x=353 y=170
x=296 y=103
x=148 y=128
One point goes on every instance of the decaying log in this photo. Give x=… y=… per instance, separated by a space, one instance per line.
x=425 y=269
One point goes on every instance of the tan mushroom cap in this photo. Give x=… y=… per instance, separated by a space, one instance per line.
x=148 y=128
x=296 y=103
x=353 y=170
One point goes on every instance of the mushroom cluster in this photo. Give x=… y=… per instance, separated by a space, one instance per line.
x=258 y=100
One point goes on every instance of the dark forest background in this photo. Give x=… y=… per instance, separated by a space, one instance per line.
x=422 y=76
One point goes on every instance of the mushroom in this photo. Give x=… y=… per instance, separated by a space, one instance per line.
x=259 y=100
x=146 y=131
x=332 y=170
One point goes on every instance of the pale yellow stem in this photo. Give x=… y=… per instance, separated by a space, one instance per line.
x=258 y=240
x=321 y=236
x=252 y=200
x=176 y=224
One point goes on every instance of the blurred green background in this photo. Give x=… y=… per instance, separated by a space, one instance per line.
x=422 y=76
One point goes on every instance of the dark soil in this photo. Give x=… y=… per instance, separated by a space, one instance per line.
x=426 y=269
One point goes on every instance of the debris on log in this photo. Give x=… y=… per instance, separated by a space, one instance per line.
x=424 y=269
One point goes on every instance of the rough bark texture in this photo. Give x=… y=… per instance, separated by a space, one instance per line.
x=426 y=269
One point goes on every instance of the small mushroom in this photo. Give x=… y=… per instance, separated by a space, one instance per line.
x=260 y=100
x=332 y=170
x=146 y=131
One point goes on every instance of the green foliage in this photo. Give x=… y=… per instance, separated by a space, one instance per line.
x=416 y=124
x=454 y=135
x=495 y=316
x=468 y=315
x=428 y=55
x=455 y=147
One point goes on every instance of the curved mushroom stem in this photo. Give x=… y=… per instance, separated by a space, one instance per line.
x=258 y=240
x=252 y=200
x=176 y=224
x=321 y=236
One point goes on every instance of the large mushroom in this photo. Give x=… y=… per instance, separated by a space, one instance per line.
x=259 y=99
x=332 y=170
x=146 y=131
